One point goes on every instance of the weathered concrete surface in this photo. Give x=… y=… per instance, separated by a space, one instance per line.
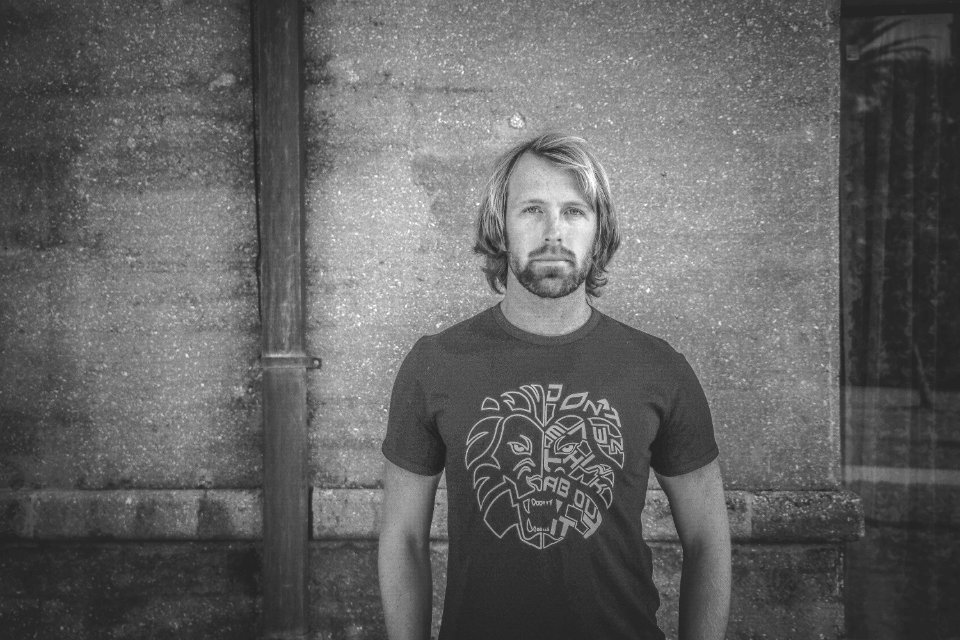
x=128 y=315
x=783 y=591
x=214 y=514
x=80 y=591
x=718 y=123
x=775 y=516
x=128 y=308
x=211 y=590
x=781 y=516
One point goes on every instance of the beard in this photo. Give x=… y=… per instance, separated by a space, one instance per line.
x=550 y=281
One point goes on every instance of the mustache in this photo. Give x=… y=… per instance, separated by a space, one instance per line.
x=549 y=251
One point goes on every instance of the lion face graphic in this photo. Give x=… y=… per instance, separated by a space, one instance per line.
x=542 y=463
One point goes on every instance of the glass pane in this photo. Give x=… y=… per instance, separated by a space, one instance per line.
x=900 y=269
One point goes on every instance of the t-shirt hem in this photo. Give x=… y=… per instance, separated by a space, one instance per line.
x=409 y=465
x=693 y=465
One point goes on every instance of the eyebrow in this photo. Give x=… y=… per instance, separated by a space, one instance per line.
x=578 y=203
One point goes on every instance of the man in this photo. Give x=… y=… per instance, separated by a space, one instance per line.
x=547 y=416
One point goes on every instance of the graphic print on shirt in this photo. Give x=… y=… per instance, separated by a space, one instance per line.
x=543 y=463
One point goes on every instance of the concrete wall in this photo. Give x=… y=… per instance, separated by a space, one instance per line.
x=128 y=319
x=129 y=404
x=129 y=300
x=718 y=124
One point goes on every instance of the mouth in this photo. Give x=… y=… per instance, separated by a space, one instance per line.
x=532 y=528
x=552 y=254
x=551 y=266
x=541 y=506
x=540 y=515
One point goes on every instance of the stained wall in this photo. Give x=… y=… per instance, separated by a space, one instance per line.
x=718 y=124
x=130 y=436
x=129 y=327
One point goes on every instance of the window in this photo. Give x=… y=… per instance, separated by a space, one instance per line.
x=900 y=271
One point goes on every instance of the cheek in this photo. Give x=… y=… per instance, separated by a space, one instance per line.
x=585 y=238
x=593 y=235
x=511 y=235
x=521 y=241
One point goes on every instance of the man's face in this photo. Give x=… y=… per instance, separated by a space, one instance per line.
x=550 y=228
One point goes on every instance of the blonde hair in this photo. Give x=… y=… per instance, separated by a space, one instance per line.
x=566 y=152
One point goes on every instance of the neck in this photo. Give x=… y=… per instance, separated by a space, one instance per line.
x=544 y=316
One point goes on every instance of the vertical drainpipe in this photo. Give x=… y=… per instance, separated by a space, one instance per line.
x=277 y=56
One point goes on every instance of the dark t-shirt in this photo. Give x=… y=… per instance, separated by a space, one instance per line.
x=547 y=443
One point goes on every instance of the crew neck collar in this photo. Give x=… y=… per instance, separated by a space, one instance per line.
x=536 y=338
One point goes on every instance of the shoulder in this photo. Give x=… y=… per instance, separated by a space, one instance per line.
x=648 y=357
x=637 y=343
x=465 y=336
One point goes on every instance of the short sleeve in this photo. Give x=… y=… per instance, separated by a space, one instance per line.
x=413 y=441
x=685 y=441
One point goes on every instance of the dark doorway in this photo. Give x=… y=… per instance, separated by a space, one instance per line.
x=900 y=270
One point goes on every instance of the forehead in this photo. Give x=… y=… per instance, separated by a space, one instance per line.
x=537 y=177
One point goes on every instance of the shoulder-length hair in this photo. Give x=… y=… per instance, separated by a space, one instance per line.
x=567 y=152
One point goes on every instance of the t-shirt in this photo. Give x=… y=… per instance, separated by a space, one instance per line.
x=547 y=443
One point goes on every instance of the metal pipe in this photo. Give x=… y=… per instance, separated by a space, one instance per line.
x=277 y=65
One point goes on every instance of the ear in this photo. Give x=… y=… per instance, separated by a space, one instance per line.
x=480 y=440
x=502 y=514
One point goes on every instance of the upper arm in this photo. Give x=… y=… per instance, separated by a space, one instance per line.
x=698 y=505
x=407 y=502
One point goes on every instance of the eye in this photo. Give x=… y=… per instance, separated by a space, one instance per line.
x=533 y=208
x=521 y=448
x=567 y=447
x=576 y=212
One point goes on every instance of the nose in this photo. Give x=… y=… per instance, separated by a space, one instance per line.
x=552 y=232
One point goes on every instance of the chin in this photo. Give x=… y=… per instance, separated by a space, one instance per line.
x=549 y=281
x=552 y=288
